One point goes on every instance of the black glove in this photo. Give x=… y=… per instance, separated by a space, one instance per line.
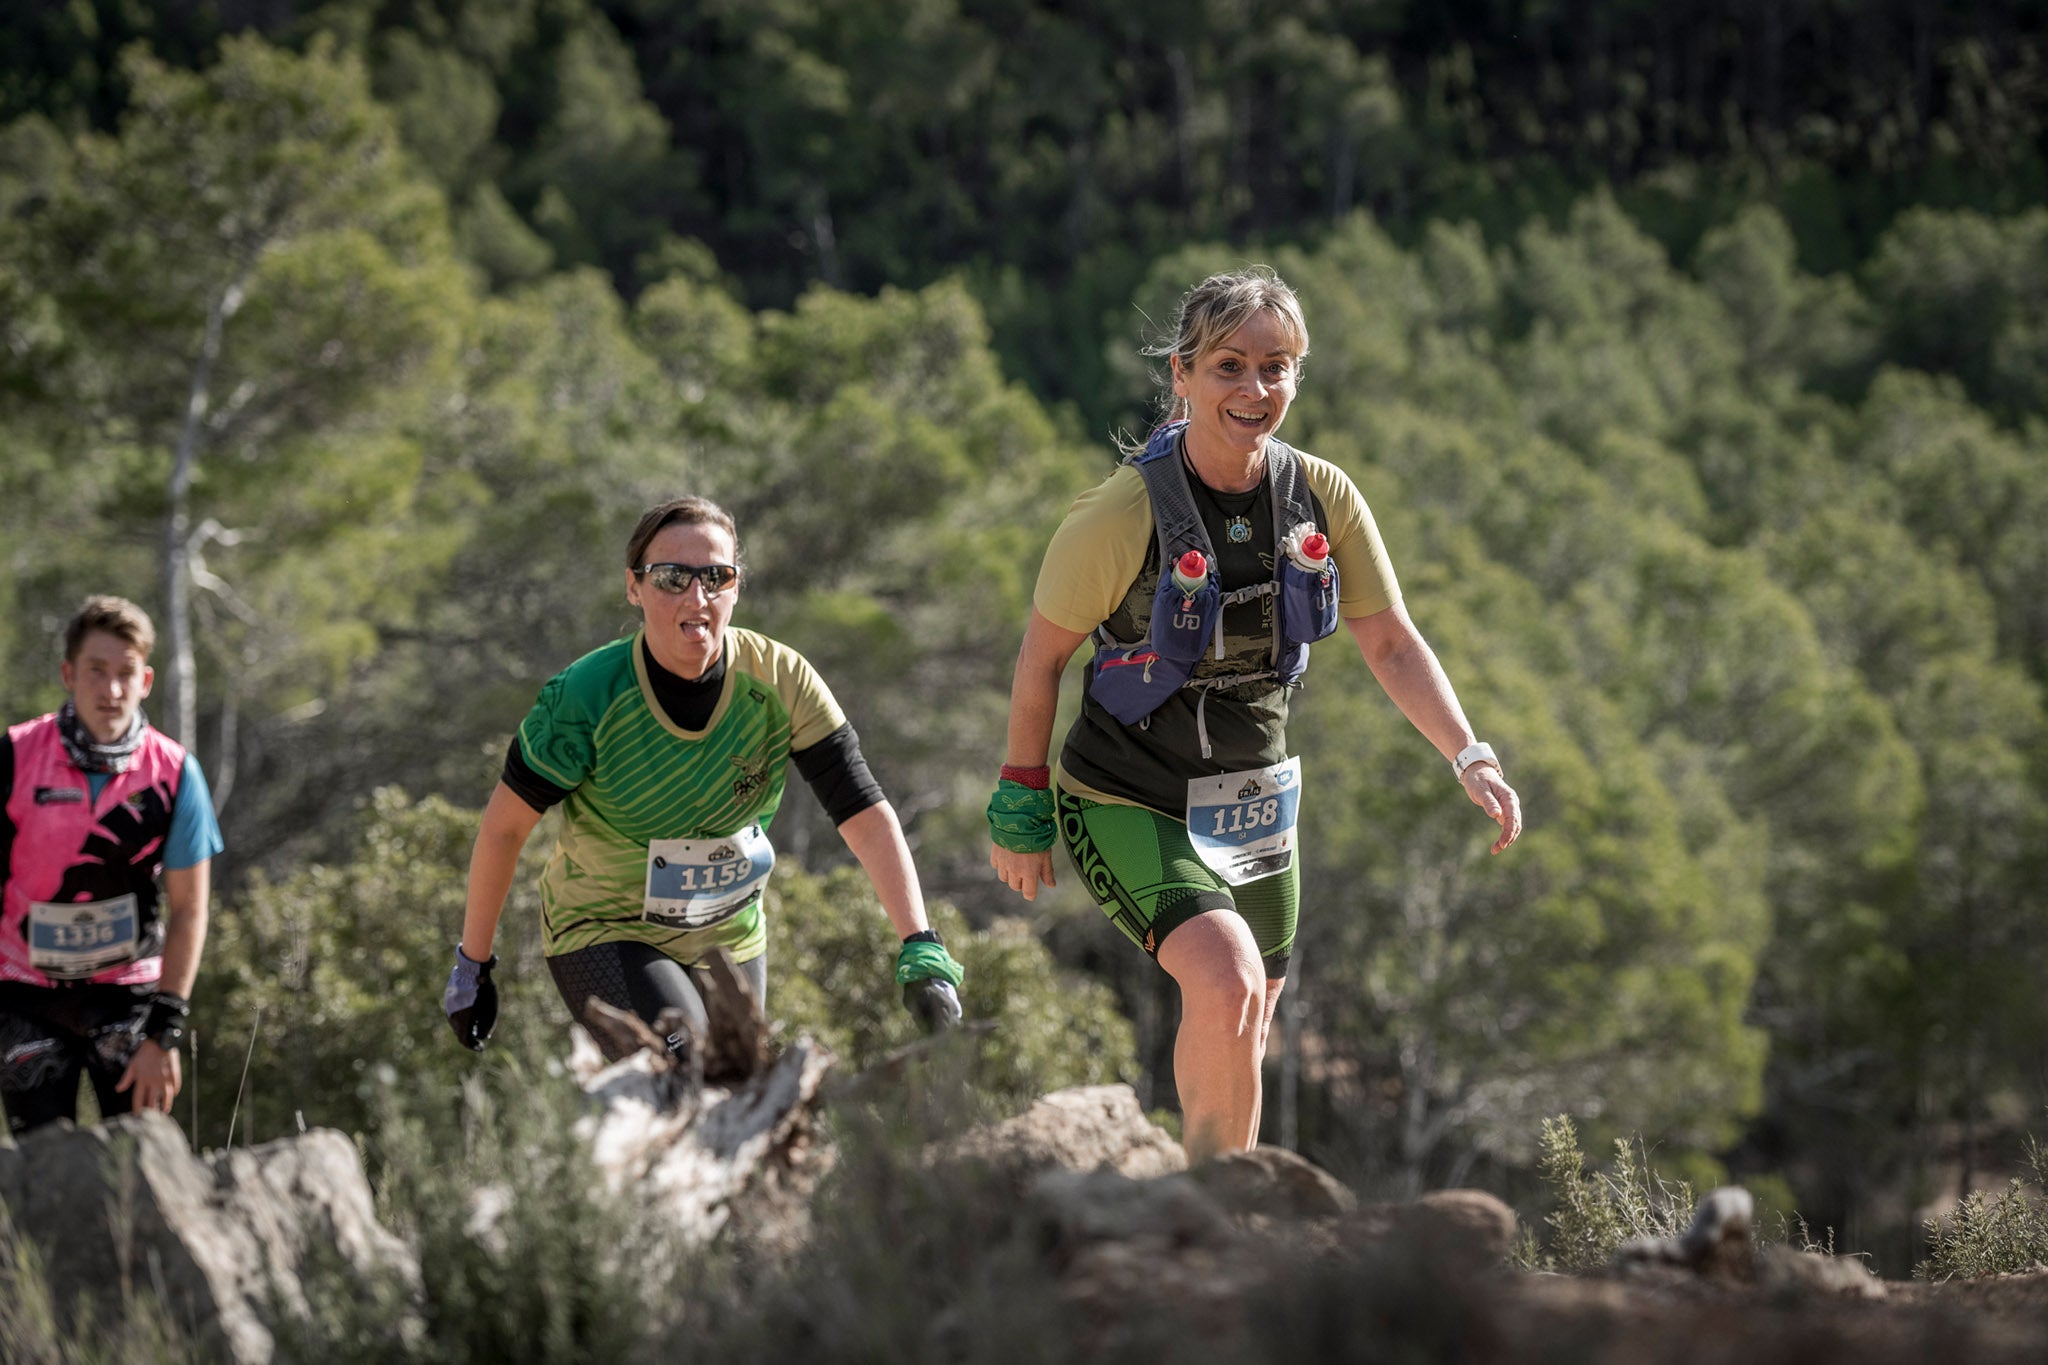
x=933 y=1003
x=928 y=975
x=164 y=1022
x=471 y=1000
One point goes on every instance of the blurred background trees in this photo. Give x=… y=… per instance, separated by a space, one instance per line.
x=1689 y=357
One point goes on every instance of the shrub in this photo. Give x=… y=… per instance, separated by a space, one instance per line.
x=35 y=1329
x=1597 y=1212
x=831 y=963
x=327 y=984
x=1997 y=1236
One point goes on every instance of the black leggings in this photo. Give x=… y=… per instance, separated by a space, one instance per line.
x=49 y=1034
x=641 y=980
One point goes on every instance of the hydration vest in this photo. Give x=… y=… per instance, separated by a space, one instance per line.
x=1131 y=681
x=72 y=847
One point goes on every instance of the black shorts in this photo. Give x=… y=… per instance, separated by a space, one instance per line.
x=48 y=1034
x=641 y=979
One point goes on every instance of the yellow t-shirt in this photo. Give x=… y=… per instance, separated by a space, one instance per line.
x=1102 y=567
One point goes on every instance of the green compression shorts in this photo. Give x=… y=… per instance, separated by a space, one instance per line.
x=1141 y=868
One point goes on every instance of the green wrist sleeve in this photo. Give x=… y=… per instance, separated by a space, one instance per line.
x=1021 y=818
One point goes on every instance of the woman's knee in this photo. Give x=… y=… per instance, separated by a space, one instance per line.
x=1214 y=960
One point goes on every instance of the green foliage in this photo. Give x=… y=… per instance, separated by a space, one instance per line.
x=907 y=1257
x=35 y=1329
x=1597 y=1212
x=2002 y=1235
x=831 y=957
x=327 y=982
x=523 y=1253
x=249 y=294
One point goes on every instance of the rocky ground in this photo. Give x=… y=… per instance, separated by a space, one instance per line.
x=1081 y=1201
x=1266 y=1247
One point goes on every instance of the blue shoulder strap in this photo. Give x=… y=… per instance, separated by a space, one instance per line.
x=1175 y=523
x=1291 y=502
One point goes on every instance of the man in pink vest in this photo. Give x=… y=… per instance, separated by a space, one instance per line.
x=97 y=953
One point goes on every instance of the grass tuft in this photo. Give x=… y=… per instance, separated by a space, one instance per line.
x=1997 y=1236
x=1598 y=1211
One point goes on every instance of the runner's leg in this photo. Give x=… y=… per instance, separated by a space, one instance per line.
x=38 y=1072
x=1142 y=869
x=1274 y=985
x=1216 y=1053
x=1271 y=906
x=635 y=977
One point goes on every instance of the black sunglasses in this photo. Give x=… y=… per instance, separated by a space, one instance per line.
x=675 y=578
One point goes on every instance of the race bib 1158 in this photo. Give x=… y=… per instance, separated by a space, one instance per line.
x=1242 y=824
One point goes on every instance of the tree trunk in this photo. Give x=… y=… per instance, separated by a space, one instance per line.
x=182 y=704
x=223 y=768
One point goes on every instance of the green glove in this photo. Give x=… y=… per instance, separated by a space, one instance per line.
x=926 y=960
x=928 y=974
x=1020 y=818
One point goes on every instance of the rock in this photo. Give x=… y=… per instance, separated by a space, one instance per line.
x=1459 y=1231
x=1079 y=1129
x=1123 y=1250
x=1797 y=1274
x=1717 y=1244
x=126 y=1208
x=1162 y=1215
x=1273 y=1181
x=1467 y=1227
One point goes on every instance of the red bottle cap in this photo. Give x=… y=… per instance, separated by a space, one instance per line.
x=1316 y=546
x=1193 y=565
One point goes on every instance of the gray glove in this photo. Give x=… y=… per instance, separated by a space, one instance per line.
x=471 y=1001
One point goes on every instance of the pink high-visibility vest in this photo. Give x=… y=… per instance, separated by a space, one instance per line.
x=70 y=849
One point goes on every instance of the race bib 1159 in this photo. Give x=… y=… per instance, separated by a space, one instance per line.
x=696 y=883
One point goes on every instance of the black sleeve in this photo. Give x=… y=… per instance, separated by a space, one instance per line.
x=839 y=775
x=528 y=785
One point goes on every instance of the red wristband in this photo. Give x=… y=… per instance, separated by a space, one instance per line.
x=1038 y=779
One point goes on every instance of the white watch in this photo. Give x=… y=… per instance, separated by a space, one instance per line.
x=1470 y=754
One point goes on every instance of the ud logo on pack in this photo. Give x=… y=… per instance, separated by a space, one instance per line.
x=59 y=796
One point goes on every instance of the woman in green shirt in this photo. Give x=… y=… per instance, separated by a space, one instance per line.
x=666 y=752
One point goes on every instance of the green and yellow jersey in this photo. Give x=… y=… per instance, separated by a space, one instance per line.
x=634 y=777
